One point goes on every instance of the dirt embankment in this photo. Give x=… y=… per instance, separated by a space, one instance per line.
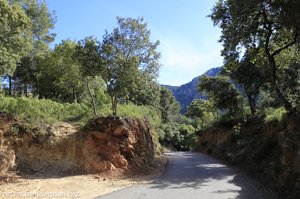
x=7 y=154
x=105 y=144
x=107 y=147
x=268 y=151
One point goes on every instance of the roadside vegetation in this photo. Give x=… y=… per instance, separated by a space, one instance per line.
x=117 y=74
x=254 y=103
x=75 y=81
x=261 y=71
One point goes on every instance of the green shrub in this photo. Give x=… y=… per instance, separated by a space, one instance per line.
x=274 y=114
x=130 y=110
x=177 y=136
x=35 y=110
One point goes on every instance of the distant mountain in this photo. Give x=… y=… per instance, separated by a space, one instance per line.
x=186 y=93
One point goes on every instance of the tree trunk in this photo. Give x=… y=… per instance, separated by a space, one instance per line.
x=25 y=90
x=9 y=86
x=114 y=105
x=288 y=106
x=251 y=104
x=92 y=97
x=0 y=84
x=74 y=94
x=242 y=108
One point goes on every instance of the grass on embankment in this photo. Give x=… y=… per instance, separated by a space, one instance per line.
x=35 y=111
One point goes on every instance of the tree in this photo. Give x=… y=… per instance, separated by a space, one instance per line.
x=42 y=22
x=47 y=74
x=177 y=136
x=260 y=24
x=15 y=36
x=221 y=92
x=88 y=55
x=146 y=92
x=68 y=77
x=250 y=76
x=168 y=105
x=291 y=76
x=131 y=60
x=201 y=109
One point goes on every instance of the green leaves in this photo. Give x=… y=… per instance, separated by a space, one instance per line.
x=131 y=61
x=15 y=36
x=271 y=27
x=221 y=92
x=88 y=55
x=169 y=106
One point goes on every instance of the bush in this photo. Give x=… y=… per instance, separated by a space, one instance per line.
x=274 y=114
x=177 y=136
x=189 y=137
x=130 y=110
x=35 y=110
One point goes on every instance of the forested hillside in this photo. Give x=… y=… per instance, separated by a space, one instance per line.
x=186 y=93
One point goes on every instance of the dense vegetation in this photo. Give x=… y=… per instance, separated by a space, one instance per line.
x=77 y=80
x=261 y=48
x=117 y=75
x=261 y=70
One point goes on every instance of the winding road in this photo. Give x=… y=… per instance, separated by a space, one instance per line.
x=194 y=175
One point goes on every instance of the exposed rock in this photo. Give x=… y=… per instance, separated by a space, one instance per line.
x=106 y=144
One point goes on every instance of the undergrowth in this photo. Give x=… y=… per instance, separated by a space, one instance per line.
x=274 y=114
x=36 y=111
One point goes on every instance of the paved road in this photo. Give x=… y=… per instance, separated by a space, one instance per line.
x=193 y=175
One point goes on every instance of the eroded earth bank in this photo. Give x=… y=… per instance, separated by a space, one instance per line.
x=109 y=153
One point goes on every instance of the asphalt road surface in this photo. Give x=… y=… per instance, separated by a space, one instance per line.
x=194 y=175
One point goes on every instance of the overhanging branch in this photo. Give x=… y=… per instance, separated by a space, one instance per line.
x=286 y=46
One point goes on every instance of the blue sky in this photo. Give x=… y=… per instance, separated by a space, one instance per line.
x=188 y=39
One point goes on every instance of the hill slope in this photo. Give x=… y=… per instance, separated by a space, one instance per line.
x=186 y=93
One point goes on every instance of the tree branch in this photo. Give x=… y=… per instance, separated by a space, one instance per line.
x=286 y=46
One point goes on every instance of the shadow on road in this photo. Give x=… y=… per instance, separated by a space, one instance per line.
x=202 y=172
x=193 y=176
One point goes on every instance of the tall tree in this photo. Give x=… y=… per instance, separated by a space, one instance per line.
x=201 y=109
x=70 y=80
x=168 y=105
x=15 y=36
x=221 y=92
x=42 y=23
x=88 y=55
x=130 y=56
x=261 y=24
x=250 y=76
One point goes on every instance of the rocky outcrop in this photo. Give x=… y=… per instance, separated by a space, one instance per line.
x=270 y=151
x=105 y=144
x=117 y=143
